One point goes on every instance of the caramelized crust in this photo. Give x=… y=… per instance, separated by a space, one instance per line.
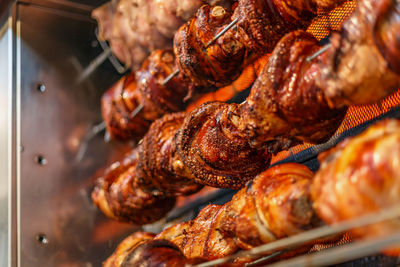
x=209 y=145
x=127 y=246
x=275 y=205
x=361 y=176
x=285 y=105
x=142 y=187
x=145 y=87
x=140 y=249
x=214 y=66
x=226 y=145
x=160 y=161
x=261 y=23
x=159 y=98
x=117 y=104
x=118 y=195
x=202 y=67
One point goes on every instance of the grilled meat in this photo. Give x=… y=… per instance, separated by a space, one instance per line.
x=135 y=28
x=361 y=176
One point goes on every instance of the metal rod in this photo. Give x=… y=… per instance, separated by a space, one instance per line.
x=136 y=111
x=172 y=75
x=319 y=52
x=230 y=25
x=266 y=258
x=114 y=61
x=343 y=253
x=94 y=64
x=95 y=130
x=311 y=235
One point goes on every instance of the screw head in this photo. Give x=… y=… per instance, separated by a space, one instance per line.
x=41 y=87
x=41 y=160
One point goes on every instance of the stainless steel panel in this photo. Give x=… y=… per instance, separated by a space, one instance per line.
x=58 y=224
x=5 y=141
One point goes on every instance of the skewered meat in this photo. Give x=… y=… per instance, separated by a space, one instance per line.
x=127 y=246
x=260 y=26
x=140 y=249
x=135 y=28
x=286 y=105
x=143 y=186
x=119 y=197
x=202 y=68
x=224 y=144
x=217 y=65
x=144 y=88
x=263 y=23
x=212 y=149
x=277 y=204
x=361 y=176
x=355 y=71
x=117 y=105
x=120 y=102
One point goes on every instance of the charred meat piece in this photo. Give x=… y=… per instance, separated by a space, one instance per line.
x=286 y=106
x=145 y=89
x=142 y=187
x=276 y=205
x=135 y=28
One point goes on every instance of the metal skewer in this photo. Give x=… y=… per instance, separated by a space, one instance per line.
x=315 y=234
x=172 y=75
x=93 y=65
x=136 y=111
x=95 y=130
x=230 y=25
x=319 y=52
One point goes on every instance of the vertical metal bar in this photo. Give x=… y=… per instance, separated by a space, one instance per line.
x=5 y=146
x=17 y=138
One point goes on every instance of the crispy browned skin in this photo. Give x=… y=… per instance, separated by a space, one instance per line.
x=261 y=24
x=126 y=247
x=144 y=87
x=210 y=146
x=117 y=104
x=361 y=176
x=202 y=68
x=225 y=145
x=154 y=253
x=276 y=205
x=160 y=160
x=285 y=105
x=142 y=187
x=354 y=70
x=134 y=28
x=215 y=66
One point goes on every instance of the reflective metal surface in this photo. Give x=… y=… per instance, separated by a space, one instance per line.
x=58 y=225
x=5 y=141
